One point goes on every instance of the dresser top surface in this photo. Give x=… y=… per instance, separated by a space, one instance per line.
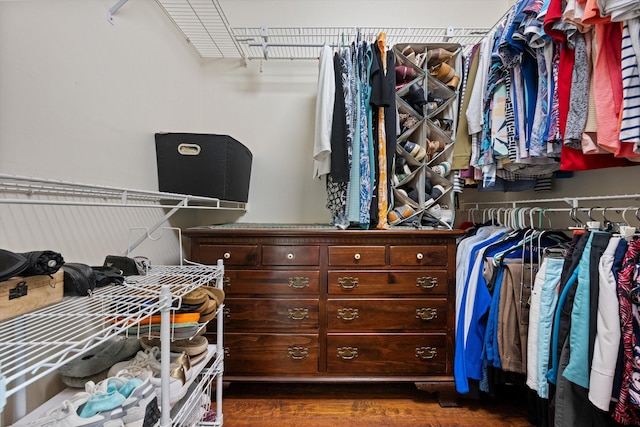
x=310 y=230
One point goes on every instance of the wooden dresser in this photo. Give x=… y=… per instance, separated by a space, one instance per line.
x=314 y=303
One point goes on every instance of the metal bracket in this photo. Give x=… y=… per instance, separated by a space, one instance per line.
x=114 y=9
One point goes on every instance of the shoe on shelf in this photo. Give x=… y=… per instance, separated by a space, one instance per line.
x=407 y=121
x=415 y=97
x=434 y=147
x=141 y=403
x=416 y=58
x=399 y=214
x=437 y=55
x=405 y=74
x=442 y=169
x=435 y=211
x=443 y=72
x=101 y=358
x=415 y=150
x=68 y=414
x=437 y=191
x=192 y=346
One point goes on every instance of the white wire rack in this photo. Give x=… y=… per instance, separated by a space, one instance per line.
x=206 y=28
x=37 y=343
x=305 y=42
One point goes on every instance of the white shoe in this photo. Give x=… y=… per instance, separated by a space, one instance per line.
x=140 y=406
x=67 y=415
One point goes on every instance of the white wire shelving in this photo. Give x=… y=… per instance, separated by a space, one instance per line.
x=36 y=344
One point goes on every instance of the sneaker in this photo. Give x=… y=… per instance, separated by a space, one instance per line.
x=435 y=211
x=150 y=359
x=140 y=405
x=68 y=415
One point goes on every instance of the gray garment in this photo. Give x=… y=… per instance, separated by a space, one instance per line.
x=579 y=97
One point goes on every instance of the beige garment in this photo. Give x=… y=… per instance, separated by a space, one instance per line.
x=462 y=147
x=513 y=316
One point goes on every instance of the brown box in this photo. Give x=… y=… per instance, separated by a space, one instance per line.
x=20 y=295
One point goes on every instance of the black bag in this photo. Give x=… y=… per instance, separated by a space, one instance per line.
x=79 y=279
x=11 y=264
x=126 y=265
x=106 y=276
x=42 y=262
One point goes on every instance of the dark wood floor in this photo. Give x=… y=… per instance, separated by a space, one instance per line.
x=360 y=405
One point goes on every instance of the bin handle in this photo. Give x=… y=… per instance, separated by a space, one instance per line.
x=189 y=149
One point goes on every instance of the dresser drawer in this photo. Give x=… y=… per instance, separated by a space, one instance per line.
x=418 y=256
x=271 y=282
x=246 y=255
x=386 y=314
x=387 y=354
x=290 y=255
x=357 y=255
x=270 y=354
x=248 y=314
x=416 y=282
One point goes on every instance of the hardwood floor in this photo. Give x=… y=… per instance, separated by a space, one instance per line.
x=360 y=405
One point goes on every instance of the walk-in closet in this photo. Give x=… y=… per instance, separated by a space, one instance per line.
x=306 y=212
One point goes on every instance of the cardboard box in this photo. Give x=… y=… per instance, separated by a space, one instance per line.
x=20 y=295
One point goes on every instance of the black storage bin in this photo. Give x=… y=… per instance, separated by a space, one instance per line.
x=206 y=165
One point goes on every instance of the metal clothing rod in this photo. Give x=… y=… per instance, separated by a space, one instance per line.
x=571 y=201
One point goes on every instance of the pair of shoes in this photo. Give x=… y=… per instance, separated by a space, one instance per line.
x=192 y=346
x=415 y=150
x=405 y=73
x=434 y=147
x=138 y=399
x=446 y=125
x=415 y=97
x=437 y=55
x=446 y=74
x=416 y=58
x=399 y=214
x=150 y=359
x=434 y=195
x=95 y=363
x=68 y=414
x=442 y=169
x=407 y=122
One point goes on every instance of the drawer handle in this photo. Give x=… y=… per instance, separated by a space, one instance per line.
x=226 y=312
x=426 y=353
x=348 y=282
x=298 y=282
x=419 y=256
x=226 y=281
x=347 y=314
x=227 y=353
x=427 y=282
x=356 y=257
x=426 y=313
x=298 y=313
x=347 y=353
x=227 y=255
x=290 y=256
x=298 y=353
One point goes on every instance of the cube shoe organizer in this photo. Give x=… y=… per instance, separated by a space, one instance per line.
x=428 y=78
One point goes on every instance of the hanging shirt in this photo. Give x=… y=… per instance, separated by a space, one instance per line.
x=324 y=114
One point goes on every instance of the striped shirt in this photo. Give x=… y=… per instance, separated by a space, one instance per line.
x=630 y=123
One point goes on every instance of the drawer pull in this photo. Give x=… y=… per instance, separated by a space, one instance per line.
x=298 y=282
x=226 y=312
x=347 y=314
x=426 y=353
x=227 y=255
x=356 y=257
x=226 y=282
x=298 y=353
x=298 y=313
x=348 y=282
x=427 y=282
x=347 y=353
x=426 y=313
x=419 y=256
x=290 y=256
x=227 y=353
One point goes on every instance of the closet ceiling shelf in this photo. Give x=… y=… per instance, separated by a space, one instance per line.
x=207 y=29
